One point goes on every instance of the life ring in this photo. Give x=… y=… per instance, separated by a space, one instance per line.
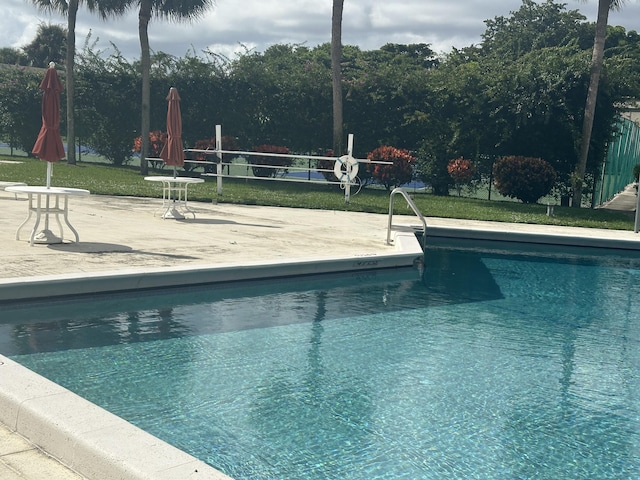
x=346 y=168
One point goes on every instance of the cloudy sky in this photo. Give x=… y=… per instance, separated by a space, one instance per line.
x=257 y=24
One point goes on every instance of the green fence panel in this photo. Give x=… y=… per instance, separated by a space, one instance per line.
x=623 y=154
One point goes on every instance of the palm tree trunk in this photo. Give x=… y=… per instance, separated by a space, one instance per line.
x=71 y=51
x=144 y=17
x=597 y=59
x=336 y=74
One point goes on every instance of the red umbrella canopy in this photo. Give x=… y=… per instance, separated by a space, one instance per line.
x=49 y=146
x=173 y=153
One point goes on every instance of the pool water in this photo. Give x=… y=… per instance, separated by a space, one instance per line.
x=489 y=364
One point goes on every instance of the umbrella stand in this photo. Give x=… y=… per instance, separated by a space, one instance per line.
x=173 y=212
x=46 y=236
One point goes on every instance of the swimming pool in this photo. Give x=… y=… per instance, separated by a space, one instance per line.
x=489 y=364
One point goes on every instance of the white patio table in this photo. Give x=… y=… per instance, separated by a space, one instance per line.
x=175 y=196
x=50 y=206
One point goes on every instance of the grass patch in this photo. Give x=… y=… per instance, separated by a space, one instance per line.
x=104 y=179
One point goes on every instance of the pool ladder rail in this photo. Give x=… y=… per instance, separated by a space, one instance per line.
x=405 y=228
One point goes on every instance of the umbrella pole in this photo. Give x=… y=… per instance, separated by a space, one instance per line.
x=48 y=174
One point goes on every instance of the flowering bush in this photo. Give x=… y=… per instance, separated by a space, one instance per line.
x=228 y=143
x=268 y=160
x=327 y=165
x=461 y=171
x=157 y=139
x=391 y=176
x=524 y=178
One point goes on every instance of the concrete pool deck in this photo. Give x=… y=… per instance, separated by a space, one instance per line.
x=122 y=234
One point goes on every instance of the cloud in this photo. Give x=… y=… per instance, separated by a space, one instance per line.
x=259 y=24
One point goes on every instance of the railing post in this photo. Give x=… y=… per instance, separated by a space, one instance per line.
x=347 y=187
x=219 y=155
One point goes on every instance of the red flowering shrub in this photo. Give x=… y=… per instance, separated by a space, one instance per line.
x=524 y=178
x=268 y=160
x=157 y=139
x=327 y=165
x=461 y=171
x=228 y=143
x=396 y=174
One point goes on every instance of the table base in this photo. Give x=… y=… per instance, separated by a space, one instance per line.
x=47 y=237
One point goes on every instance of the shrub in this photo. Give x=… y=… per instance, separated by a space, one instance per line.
x=157 y=139
x=228 y=143
x=524 y=178
x=327 y=165
x=396 y=174
x=282 y=162
x=461 y=171
x=636 y=172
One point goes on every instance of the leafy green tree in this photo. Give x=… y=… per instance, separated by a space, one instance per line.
x=177 y=10
x=336 y=74
x=20 y=106
x=110 y=112
x=13 y=56
x=70 y=9
x=597 y=63
x=284 y=95
x=49 y=45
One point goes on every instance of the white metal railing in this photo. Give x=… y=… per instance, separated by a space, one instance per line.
x=416 y=211
x=346 y=166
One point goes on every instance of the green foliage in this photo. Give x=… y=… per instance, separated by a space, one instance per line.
x=636 y=172
x=524 y=178
x=20 y=105
x=400 y=172
x=49 y=45
x=13 y=56
x=108 y=113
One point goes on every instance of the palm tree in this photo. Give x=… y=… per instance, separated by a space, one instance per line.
x=105 y=8
x=336 y=74
x=597 y=60
x=175 y=10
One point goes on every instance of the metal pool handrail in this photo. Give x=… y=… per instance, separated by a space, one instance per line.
x=416 y=211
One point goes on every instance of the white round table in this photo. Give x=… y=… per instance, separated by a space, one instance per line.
x=175 y=196
x=50 y=206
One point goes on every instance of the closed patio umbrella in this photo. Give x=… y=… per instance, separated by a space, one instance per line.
x=173 y=152
x=48 y=145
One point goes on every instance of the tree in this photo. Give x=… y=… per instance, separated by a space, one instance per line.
x=70 y=9
x=336 y=74
x=49 y=45
x=12 y=56
x=177 y=10
x=20 y=106
x=104 y=89
x=597 y=61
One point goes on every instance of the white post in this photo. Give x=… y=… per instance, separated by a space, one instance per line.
x=347 y=187
x=219 y=154
x=49 y=173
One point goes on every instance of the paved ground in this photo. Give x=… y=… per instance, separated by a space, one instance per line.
x=121 y=232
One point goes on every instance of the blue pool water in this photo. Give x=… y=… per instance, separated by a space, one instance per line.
x=487 y=365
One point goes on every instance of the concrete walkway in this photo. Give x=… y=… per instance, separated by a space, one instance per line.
x=127 y=233
x=625 y=201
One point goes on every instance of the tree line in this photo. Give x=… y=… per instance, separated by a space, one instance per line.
x=520 y=92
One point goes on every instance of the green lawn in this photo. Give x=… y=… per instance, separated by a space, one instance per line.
x=104 y=179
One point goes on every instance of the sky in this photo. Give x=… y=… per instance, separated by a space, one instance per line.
x=233 y=26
